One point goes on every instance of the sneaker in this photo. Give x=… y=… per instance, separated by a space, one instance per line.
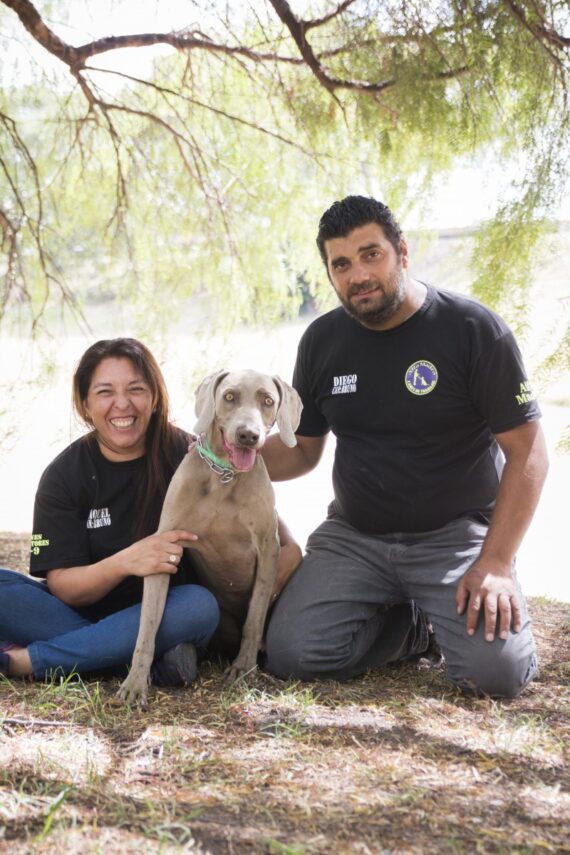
x=177 y=667
x=4 y=664
x=432 y=655
x=5 y=646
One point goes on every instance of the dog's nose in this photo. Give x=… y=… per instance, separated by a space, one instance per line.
x=247 y=436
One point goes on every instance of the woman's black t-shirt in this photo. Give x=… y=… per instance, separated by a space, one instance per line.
x=86 y=510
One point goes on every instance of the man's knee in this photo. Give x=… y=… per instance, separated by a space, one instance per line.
x=497 y=669
x=286 y=665
x=284 y=653
x=298 y=653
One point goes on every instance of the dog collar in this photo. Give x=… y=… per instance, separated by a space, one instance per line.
x=223 y=468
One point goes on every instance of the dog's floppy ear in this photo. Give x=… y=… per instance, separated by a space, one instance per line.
x=205 y=406
x=289 y=412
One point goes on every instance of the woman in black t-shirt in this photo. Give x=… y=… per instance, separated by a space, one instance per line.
x=97 y=506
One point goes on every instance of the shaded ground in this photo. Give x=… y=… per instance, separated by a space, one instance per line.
x=395 y=762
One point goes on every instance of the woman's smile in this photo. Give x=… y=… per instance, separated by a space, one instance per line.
x=119 y=403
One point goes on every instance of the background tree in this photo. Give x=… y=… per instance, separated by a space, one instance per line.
x=205 y=170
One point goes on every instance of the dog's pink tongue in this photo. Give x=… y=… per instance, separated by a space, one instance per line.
x=242 y=458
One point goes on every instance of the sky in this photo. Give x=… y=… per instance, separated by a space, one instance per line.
x=470 y=194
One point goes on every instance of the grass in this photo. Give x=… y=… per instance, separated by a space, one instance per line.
x=394 y=762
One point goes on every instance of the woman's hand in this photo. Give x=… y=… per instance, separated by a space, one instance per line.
x=158 y=553
x=82 y=586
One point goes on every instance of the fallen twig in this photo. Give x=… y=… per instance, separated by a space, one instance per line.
x=36 y=722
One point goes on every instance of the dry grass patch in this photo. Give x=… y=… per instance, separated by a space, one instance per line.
x=394 y=762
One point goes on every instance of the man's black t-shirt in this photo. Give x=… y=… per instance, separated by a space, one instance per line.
x=414 y=410
x=85 y=510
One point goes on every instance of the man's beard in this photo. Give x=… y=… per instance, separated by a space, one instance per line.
x=383 y=304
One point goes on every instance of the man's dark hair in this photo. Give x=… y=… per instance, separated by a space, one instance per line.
x=353 y=212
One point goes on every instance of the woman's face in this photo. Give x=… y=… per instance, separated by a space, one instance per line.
x=119 y=403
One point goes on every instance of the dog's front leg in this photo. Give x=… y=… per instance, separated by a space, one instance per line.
x=134 y=688
x=252 y=634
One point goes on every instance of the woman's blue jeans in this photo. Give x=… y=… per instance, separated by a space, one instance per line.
x=60 y=640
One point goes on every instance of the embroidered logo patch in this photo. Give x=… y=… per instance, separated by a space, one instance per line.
x=98 y=517
x=421 y=377
x=344 y=384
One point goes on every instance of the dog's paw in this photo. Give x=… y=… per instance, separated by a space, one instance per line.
x=133 y=693
x=238 y=671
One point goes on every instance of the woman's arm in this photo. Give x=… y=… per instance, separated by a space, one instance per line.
x=82 y=586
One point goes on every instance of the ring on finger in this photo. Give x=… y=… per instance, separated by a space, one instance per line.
x=172 y=558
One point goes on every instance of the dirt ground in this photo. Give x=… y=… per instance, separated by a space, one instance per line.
x=394 y=762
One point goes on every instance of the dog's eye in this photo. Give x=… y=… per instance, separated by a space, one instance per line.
x=229 y=396
x=269 y=401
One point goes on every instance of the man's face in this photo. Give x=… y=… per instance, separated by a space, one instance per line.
x=368 y=275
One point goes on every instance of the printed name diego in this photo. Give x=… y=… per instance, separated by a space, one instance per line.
x=344 y=384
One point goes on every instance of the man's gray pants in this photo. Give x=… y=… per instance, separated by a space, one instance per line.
x=332 y=620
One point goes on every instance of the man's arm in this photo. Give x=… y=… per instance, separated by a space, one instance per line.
x=284 y=463
x=489 y=582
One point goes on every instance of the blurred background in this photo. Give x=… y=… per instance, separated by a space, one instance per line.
x=163 y=167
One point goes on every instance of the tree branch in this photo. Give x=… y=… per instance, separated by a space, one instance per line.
x=76 y=57
x=275 y=65
x=545 y=36
x=163 y=90
x=318 y=22
x=34 y=24
x=298 y=28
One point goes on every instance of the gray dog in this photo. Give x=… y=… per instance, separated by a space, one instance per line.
x=231 y=507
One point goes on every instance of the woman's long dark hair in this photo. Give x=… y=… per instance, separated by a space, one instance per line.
x=165 y=444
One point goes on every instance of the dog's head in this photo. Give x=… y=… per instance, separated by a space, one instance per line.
x=243 y=406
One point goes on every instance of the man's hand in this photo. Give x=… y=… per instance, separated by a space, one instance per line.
x=489 y=583
x=483 y=587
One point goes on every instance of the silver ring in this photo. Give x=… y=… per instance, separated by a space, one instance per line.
x=172 y=559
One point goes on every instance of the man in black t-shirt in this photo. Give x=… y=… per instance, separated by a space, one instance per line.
x=438 y=468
